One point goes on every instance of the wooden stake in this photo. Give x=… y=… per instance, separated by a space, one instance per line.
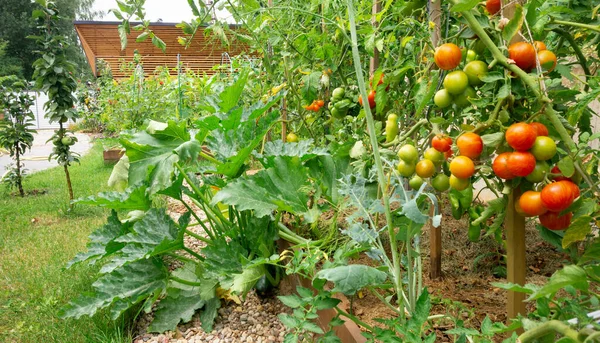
x=374 y=62
x=516 y=268
x=435 y=247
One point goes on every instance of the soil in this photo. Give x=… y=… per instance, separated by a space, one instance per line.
x=465 y=289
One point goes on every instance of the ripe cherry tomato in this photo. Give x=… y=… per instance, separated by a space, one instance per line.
x=370 y=97
x=547 y=60
x=544 y=148
x=456 y=82
x=520 y=136
x=539 y=128
x=378 y=83
x=523 y=54
x=447 y=56
x=557 y=196
x=493 y=6
x=539 y=46
x=554 y=221
x=574 y=188
x=521 y=163
x=425 y=168
x=459 y=184
x=441 y=143
x=470 y=144
x=462 y=167
x=448 y=154
x=531 y=203
x=500 y=166
x=320 y=103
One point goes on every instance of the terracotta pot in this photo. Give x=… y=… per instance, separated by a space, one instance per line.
x=112 y=156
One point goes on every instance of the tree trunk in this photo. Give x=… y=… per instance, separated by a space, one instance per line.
x=69 y=186
x=19 y=178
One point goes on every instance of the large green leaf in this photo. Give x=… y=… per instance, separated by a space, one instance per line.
x=283 y=187
x=349 y=279
x=208 y=315
x=124 y=287
x=232 y=141
x=102 y=241
x=230 y=97
x=155 y=234
x=577 y=231
x=570 y=275
x=134 y=198
x=153 y=153
x=243 y=283
x=172 y=310
x=304 y=149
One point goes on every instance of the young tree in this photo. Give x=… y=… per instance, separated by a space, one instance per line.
x=16 y=133
x=54 y=75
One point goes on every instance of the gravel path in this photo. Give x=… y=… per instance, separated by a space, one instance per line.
x=253 y=321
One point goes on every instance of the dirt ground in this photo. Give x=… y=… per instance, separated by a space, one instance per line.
x=465 y=290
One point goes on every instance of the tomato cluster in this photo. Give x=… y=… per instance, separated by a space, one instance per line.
x=458 y=84
x=315 y=106
x=424 y=168
x=339 y=104
x=524 y=56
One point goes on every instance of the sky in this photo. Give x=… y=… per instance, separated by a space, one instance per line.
x=170 y=11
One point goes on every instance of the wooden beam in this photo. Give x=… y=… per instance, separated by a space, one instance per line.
x=516 y=267
x=89 y=53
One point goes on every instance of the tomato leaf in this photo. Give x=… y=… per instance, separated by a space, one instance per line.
x=577 y=231
x=571 y=275
x=514 y=25
x=491 y=77
x=493 y=139
x=566 y=166
x=464 y=5
x=350 y=279
x=381 y=99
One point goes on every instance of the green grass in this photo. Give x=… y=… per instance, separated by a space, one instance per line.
x=37 y=238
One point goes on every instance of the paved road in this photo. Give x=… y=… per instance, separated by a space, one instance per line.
x=37 y=158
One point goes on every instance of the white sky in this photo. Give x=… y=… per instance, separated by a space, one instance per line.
x=170 y=11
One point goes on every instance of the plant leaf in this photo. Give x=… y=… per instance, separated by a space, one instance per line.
x=208 y=315
x=128 y=285
x=570 y=275
x=133 y=198
x=349 y=279
x=464 y=5
x=283 y=187
x=577 y=231
x=243 y=283
x=514 y=25
x=172 y=310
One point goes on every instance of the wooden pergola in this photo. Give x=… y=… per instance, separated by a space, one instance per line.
x=100 y=41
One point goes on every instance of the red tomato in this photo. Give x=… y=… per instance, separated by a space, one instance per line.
x=521 y=163
x=531 y=203
x=500 y=166
x=521 y=136
x=493 y=6
x=539 y=128
x=320 y=103
x=557 y=196
x=558 y=174
x=370 y=97
x=441 y=143
x=539 y=46
x=523 y=54
x=448 y=154
x=574 y=188
x=554 y=221
x=470 y=144
x=447 y=56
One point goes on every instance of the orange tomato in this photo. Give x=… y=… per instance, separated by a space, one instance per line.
x=447 y=56
x=462 y=167
x=521 y=136
x=539 y=128
x=500 y=166
x=547 y=60
x=520 y=163
x=441 y=143
x=531 y=203
x=470 y=144
x=523 y=54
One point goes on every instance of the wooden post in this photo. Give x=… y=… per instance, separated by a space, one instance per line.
x=284 y=121
x=435 y=248
x=516 y=268
x=435 y=233
x=374 y=62
x=514 y=224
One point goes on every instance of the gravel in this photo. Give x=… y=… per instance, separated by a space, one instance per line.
x=253 y=321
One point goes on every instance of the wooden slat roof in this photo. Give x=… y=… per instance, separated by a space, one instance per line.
x=100 y=40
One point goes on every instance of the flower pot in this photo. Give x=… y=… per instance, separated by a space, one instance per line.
x=112 y=156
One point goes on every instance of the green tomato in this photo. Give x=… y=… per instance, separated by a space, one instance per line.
x=478 y=46
x=337 y=113
x=408 y=153
x=434 y=156
x=416 y=182
x=462 y=100
x=440 y=182
x=292 y=137
x=474 y=71
x=442 y=98
x=459 y=184
x=338 y=94
x=471 y=55
x=456 y=82
x=539 y=173
x=544 y=148
x=406 y=169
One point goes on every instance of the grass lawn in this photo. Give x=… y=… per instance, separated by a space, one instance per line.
x=37 y=239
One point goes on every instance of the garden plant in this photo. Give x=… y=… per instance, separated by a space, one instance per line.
x=484 y=107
